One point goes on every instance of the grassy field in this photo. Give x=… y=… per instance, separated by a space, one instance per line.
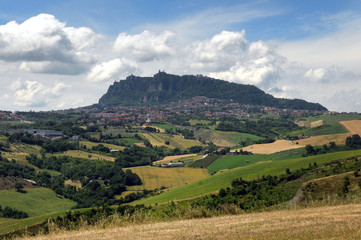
x=89 y=145
x=156 y=177
x=231 y=162
x=19 y=151
x=331 y=128
x=224 y=179
x=164 y=126
x=330 y=222
x=36 y=201
x=85 y=155
x=131 y=140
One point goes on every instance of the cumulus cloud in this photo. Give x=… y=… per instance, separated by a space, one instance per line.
x=146 y=46
x=44 y=44
x=35 y=94
x=220 y=52
x=259 y=65
x=116 y=68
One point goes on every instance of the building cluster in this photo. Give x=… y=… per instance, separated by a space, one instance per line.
x=9 y=116
x=199 y=106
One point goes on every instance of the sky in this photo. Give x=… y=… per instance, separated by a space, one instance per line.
x=65 y=54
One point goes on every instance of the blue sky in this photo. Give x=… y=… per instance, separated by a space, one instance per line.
x=60 y=54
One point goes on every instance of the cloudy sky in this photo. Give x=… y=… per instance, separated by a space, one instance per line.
x=63 y=54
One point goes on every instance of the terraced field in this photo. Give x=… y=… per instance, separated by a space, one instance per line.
x=224 y=179
x=156 y=177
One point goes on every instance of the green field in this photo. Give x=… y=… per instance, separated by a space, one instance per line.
x=39 y=203
x=327 y=129
x=224 y=179
x=8 y=225
x=237 y=137
x=131 y=140
x=164 y=126
x=231 y=162
x=36 y=201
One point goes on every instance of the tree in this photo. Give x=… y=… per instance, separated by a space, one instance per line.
x=19 y=186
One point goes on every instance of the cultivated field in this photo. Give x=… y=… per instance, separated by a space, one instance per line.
x=224 y=179
x=353 y=126
x=331 y=222
x=175 y=141
x=230 y=162
x=168 y=159
x=156 y=177
x=269 y=148
x=89 y=145
x=85 y=155
x=210 y=136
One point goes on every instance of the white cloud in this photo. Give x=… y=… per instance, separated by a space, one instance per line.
x=35 y=94
x=112 y=70
x=146 y=46
x=220 y=52
x=44 y=44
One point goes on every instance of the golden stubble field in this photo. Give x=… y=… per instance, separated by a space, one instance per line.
x=331 y=222
x=156 y=177
x=354 y=127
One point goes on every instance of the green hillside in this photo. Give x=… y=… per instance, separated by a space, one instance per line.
x=224 y=179
x=36 y=201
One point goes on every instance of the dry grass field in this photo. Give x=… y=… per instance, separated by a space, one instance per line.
x=269 y=148
x=168 y=159
x=85 y=155
x=353 y=126
x=331 y=222
x=156 y=177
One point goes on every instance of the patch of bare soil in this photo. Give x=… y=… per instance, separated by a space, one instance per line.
x=7 y=183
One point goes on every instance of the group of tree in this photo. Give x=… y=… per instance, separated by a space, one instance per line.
x=100 y=180
x=8 y=212
x=265 y=127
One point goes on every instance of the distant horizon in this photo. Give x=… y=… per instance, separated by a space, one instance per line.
x=65 y=54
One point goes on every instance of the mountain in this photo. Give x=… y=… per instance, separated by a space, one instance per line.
x=164 y=88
